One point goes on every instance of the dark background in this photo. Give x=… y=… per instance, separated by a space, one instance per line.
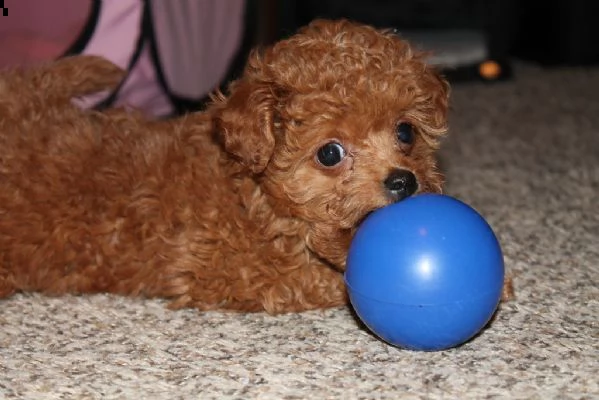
x=551 y=32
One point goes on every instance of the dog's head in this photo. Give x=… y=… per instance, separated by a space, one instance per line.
x=337 y=121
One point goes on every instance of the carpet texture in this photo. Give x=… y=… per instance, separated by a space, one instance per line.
x=525 y=153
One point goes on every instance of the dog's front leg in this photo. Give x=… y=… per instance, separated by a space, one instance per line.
x=330 y=243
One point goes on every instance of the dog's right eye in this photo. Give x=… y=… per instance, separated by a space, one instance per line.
x=330 y=154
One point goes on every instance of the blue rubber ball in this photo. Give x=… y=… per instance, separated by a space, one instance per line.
x=425 y=273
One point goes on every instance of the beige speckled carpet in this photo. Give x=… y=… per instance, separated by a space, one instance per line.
x=525 y=153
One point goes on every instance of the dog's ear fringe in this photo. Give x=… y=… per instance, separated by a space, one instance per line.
x=244 y=123
x=434 y=118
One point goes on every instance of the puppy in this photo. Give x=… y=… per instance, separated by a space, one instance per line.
x=249 y=205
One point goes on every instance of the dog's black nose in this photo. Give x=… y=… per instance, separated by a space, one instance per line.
x=400 y=184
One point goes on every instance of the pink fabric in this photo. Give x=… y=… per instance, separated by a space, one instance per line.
x=196 y=41
x=115 y=38
x=117 y=32
x=30 y=33
x=141 y=89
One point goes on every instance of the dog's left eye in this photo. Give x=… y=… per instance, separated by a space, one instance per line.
x=404 y=133
x=330 y=154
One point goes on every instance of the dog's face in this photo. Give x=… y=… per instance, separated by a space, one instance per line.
x=337 y=121
x=344 y=160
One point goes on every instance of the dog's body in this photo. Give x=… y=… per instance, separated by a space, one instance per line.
x=250 y=205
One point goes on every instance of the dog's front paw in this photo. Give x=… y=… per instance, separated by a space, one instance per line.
x=508 y=294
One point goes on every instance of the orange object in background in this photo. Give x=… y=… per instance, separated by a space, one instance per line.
x=490 y=70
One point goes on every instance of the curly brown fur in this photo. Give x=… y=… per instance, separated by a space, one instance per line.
x=229 y=208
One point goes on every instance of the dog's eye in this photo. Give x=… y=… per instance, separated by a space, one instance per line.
x=330 y=154
x=404 y=133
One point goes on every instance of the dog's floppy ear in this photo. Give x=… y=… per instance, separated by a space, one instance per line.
x=245 y=123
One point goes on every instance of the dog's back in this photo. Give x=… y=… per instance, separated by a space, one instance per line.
x=82 y=194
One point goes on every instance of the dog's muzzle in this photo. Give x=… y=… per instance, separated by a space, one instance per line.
x=400 y=183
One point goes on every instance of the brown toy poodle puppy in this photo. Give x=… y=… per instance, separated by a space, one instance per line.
x=250 y=205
